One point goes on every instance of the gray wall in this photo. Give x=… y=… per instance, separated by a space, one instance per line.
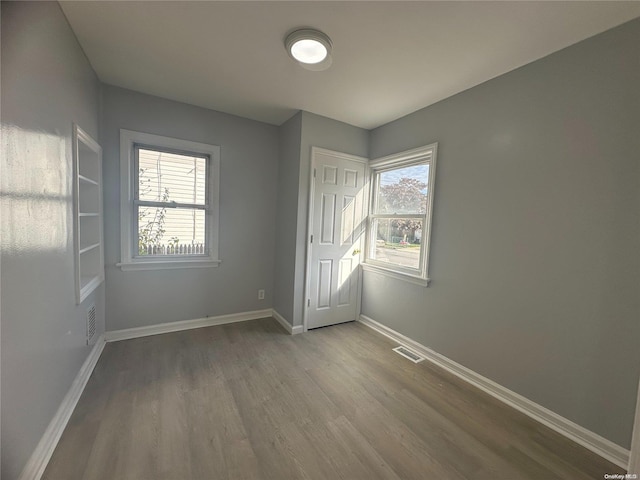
x=534 y=263
x=287 y=212
x=297 y=136
x=249 y=163
x=47 y=85
x=536 y=224
x=318 y=131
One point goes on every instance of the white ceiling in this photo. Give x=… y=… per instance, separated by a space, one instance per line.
x=389 y=58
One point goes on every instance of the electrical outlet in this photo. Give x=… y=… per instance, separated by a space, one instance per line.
x=260 y=294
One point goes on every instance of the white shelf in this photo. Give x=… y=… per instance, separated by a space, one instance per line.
x=88 y=285
x=87 y=180
x=88 y=279
x=89 y=250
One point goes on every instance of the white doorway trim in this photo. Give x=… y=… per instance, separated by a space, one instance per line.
x=310 y=213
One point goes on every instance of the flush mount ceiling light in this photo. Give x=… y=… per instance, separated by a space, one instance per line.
x=310 y=48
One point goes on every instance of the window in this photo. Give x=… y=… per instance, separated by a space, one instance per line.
x=169 y=202
x=400 y=218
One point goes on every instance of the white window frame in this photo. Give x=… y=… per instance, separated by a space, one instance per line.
x=425 y=155
x=129 y=139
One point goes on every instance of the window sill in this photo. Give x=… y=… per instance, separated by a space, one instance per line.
x=423 y=282
x=167 y=265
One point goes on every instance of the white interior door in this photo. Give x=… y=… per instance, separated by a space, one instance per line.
x=338 y=216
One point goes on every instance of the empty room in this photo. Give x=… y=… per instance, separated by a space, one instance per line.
x=320 y=240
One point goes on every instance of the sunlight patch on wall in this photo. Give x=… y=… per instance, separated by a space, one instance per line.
x=36 y=191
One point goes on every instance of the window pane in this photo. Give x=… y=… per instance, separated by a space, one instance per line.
x=403 y=190
x=169 y=177
x=173 y=231
x=397 y=241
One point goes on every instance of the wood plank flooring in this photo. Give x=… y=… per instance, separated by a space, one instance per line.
x=248 y=401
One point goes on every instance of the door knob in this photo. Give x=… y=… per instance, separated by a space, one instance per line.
x=356 y=251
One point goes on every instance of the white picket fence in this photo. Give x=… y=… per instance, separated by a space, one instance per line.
x=189 y=249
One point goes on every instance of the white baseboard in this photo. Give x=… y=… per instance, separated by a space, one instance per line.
x=286 y=325
x=38 y=461
x=137 y=332
x=634 y=457
x=40 y=457
x=590 y=440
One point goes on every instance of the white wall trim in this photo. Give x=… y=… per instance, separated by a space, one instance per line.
x=128 y=333
x=380 y=270
x=40 y=457
x=634 y=460
x=168 y=265
x=293 y=330
x=590 y=440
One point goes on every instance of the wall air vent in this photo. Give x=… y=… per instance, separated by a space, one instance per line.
x=406 y=353
x=91 y=325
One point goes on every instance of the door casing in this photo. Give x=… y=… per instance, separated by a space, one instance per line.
x=310 y=213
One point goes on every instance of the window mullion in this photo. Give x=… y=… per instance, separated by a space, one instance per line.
x=397 y=215
x=149 y=203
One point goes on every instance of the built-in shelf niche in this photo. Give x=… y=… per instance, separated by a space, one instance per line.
x=88 y=236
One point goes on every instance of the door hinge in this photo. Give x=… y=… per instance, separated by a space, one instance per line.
x=308 y=302
x=311 y=240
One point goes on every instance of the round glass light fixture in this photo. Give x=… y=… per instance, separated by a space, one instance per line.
x=310 y=48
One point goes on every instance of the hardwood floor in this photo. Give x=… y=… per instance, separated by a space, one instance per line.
x=248 y=401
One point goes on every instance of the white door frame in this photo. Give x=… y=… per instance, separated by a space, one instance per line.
x=310 y=212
